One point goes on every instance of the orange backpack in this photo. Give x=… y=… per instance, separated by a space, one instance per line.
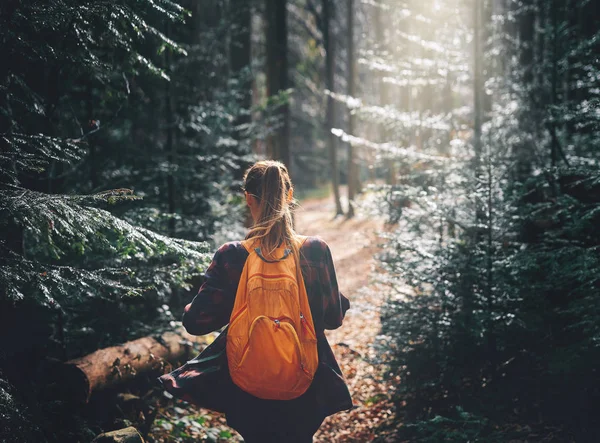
x=271 y=341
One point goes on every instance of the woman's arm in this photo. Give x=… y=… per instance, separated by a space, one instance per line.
x=335 y=304
x=211 y=307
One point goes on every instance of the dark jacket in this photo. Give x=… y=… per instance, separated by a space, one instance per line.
x=211 y=309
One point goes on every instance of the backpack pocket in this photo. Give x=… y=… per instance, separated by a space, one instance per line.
x=272 y=364
x=237 y=336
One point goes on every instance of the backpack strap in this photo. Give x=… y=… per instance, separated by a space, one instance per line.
x=248 y=245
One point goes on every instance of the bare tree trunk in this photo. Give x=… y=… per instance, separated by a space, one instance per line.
x=329 y=44
x=277 y=75
x=556 y=148
x=239 y=53
x=352 y=174
x=170 y=146
x=468 y=300
x=486 y=34
x=489 y=286
x=384 y=92
x=477 y=83
x=92 y=139
x=525 y=27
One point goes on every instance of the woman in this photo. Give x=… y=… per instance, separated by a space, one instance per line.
x=269 y=195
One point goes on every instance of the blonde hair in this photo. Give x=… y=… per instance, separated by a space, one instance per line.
x=269 y=182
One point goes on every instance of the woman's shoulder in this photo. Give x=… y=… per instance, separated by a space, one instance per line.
x=314 y=249
x=230 y=250
x=313 y=241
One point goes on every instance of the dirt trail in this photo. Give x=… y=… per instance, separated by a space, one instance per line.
x=352 y=242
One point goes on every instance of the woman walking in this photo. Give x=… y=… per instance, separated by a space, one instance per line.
x=278 y=292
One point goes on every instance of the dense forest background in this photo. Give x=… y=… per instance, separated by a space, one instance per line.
x=471 y=126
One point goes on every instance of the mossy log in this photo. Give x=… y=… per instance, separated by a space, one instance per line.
x=125 y=435
x=118 y=364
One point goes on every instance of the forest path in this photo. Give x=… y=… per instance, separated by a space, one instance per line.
x=353 y=243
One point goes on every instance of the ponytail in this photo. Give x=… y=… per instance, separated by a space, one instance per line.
x=270 y=183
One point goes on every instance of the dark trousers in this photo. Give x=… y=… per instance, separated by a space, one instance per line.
x=274 y=421
x=296 y=429
x=276 y=437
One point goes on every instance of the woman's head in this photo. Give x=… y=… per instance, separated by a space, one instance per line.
x=269 y=193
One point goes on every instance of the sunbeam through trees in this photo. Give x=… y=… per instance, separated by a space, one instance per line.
x=451 y=146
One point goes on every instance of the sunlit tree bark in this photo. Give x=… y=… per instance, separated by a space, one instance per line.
x=329 y=43
x=384 y=90
x=351 y=69
x=277 y=75
x=239 y=53
x=170 y=146
x=477 y=79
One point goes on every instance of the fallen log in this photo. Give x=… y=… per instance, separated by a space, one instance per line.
x=118 y=364
x=125 y=435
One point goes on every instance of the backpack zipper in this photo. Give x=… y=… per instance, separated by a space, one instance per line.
x=277 y=321
x=307 y=326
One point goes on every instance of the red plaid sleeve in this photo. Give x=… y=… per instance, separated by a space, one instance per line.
x=211 y=307
x=335 y=304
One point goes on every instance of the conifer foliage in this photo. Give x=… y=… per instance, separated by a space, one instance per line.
x=491 y=320
x=52 y=50
x=120 y=143
x=125 y=127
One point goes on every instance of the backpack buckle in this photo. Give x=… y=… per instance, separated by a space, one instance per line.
x=286 y=253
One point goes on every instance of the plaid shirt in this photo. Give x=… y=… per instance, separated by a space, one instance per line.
x=211 y=309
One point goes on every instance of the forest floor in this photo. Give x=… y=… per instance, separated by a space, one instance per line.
x=353 y=243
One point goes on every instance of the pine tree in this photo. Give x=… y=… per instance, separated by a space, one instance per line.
x=491 y=269
x=41 y=142
x=124 y=97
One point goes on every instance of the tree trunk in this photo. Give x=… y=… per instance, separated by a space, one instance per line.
x=384 y=90
x=277 y=75
x=477 y=83
x=91 y=139
x=488 y=65
x=329 y=44
x=468 y=300
x=555 y=146
x=110 y=366
x=525 y=28
x=352 y=174
x=239 y=52
x=170 y=146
